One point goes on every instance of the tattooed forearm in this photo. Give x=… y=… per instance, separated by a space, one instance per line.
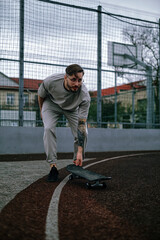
x=81 y=132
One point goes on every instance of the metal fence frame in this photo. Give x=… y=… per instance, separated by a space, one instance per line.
x=149 y=123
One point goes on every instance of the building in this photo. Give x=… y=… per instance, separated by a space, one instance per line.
x=126 y=93
x=9 y=101
x=124 y=105
x=131 y=96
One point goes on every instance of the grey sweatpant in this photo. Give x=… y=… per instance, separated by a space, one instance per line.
x=50 y=114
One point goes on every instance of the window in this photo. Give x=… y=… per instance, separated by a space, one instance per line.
x=10 y=98
x=25 y=100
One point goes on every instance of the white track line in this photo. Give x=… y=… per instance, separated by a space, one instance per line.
x=52 y=216
x=52 y=232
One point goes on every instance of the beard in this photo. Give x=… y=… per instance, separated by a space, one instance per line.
x=73 y=89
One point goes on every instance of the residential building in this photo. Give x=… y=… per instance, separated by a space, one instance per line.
x=9 y=101
x=130 y=95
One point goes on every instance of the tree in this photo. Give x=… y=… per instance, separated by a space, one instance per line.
x=108 y=111
x=92 y=115
x=148 y=39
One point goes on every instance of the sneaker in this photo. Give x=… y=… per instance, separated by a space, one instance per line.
x=53 y=175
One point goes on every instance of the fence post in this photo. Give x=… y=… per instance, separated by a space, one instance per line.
x=133 y=107
x=21 y=62
x=159 y=73
x=115 y=101
x=99 y=60
x=149 y=98
x=153 y=105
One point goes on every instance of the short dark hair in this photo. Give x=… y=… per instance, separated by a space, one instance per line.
x=74 y=69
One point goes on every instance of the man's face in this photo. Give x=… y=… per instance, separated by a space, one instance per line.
x=73 y=82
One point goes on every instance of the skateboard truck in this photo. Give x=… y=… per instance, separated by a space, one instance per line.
x=73 y=176
x=96 y=184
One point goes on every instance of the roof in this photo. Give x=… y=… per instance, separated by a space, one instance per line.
x=31 y=84
x=13 y=83
x=124 y=87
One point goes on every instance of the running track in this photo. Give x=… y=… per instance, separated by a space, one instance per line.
x=67 y=210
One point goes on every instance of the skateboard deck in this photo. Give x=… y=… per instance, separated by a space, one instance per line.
x=94 y=179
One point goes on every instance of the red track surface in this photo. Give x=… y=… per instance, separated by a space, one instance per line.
x=127 y=209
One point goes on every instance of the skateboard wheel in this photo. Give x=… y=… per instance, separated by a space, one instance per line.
x=104 y=185
x=71 y=177
x=88 y=185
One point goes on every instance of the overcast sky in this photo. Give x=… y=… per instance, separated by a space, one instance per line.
x=59 y=48
x=144 y=9
x=144 y=5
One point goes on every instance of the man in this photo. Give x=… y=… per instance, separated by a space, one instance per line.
x=64 y=94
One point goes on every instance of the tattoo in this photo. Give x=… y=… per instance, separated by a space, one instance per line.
x=81 y=122
x=81 y=132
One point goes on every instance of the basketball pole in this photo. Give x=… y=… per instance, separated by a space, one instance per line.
x=149 y=88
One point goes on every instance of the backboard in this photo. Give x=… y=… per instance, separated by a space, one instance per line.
x=116 y=55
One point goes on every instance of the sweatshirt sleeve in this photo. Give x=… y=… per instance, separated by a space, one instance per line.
x=83 y=110
x=85 y=104
x=42 y=91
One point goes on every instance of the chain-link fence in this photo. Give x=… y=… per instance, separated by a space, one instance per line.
x=120 y=56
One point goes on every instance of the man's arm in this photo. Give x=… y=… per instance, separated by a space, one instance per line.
x=81 y=139
x=40 y=102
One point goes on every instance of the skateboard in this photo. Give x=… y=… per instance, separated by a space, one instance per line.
x=94 y=179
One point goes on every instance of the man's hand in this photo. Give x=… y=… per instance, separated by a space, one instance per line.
x=79 y=159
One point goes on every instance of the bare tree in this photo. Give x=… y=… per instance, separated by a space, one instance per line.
x=148 y=39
